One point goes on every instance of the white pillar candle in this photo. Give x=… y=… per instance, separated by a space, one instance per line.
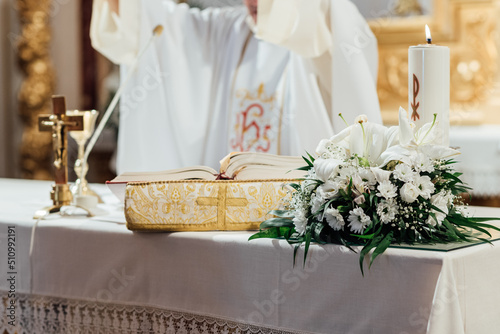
x=429 y=85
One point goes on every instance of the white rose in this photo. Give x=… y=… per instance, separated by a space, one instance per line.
x=409 y=192
x=328 y=190
x=441 y=202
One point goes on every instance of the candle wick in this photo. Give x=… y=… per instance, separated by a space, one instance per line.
x=429 y=41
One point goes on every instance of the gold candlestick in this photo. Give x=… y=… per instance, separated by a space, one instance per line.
x=59 y=124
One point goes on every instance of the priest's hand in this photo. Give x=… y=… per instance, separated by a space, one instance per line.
x=113 y=5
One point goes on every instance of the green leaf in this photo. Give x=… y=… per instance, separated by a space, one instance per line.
x=309 y=163
x=381 y=247
x=306 y=249
x=276 y=222
x=276 y=232
x=316 y=231
x=281 y=213
x=364 y=236
x=311 y=158
x=295 y=249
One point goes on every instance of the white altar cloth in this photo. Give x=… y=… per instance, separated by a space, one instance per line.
x=480 y=158
x=98 y=277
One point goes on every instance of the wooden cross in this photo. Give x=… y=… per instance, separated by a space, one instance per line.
x=59 y=124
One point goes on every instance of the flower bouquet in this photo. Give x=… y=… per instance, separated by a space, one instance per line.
x=375 y=186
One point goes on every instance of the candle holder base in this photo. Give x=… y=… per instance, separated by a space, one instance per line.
x=40 y=214
x=81 y=188
x=60 y=195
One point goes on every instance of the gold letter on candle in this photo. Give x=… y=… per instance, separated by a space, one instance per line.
x=415 y=104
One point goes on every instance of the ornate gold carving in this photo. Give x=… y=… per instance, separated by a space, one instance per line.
x=468 y=27
x=38 y=86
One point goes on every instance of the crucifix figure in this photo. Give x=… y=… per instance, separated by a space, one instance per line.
x=59 y=124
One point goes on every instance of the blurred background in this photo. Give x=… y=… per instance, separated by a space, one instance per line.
x=45 y=49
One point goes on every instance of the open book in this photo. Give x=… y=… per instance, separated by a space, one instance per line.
x=235 y=166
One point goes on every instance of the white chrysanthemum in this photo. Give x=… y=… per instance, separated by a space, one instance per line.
x=316 y=203
x=387 y=210
x=409 y=192
x=358 y=220
x=404 y=173
x=387 y=189
x=422 y=162
x=334 y=219
x=425 y=186
x=300 y=221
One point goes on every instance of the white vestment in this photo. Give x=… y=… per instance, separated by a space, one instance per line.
x=208 y=85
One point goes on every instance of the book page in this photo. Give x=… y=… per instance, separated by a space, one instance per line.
x=190 y=173
x=254 y=165
x=263 y=172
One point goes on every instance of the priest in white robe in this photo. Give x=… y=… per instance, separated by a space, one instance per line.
x=271 y=77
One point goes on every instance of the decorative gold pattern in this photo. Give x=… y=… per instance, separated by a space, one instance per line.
x=202 y=205
x=468 y=27
x=38 y=86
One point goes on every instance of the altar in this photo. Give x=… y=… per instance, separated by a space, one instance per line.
x=92 y=275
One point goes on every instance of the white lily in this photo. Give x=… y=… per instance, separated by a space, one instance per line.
x=425 y=140
x=364 y=139
x=326 y=168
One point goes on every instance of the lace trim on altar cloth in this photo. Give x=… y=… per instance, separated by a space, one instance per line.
x=47 y=315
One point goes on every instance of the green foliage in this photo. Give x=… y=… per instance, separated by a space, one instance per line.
x=415 y=223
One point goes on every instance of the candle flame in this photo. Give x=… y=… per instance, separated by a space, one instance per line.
x=428 y=34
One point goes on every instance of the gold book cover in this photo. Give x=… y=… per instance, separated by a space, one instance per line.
x=202 y=205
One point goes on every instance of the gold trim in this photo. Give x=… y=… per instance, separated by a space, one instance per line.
x=213 y=181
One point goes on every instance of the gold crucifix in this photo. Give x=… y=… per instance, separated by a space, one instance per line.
x=59 y=124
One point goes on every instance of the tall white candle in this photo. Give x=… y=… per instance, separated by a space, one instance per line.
x=429 y=85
